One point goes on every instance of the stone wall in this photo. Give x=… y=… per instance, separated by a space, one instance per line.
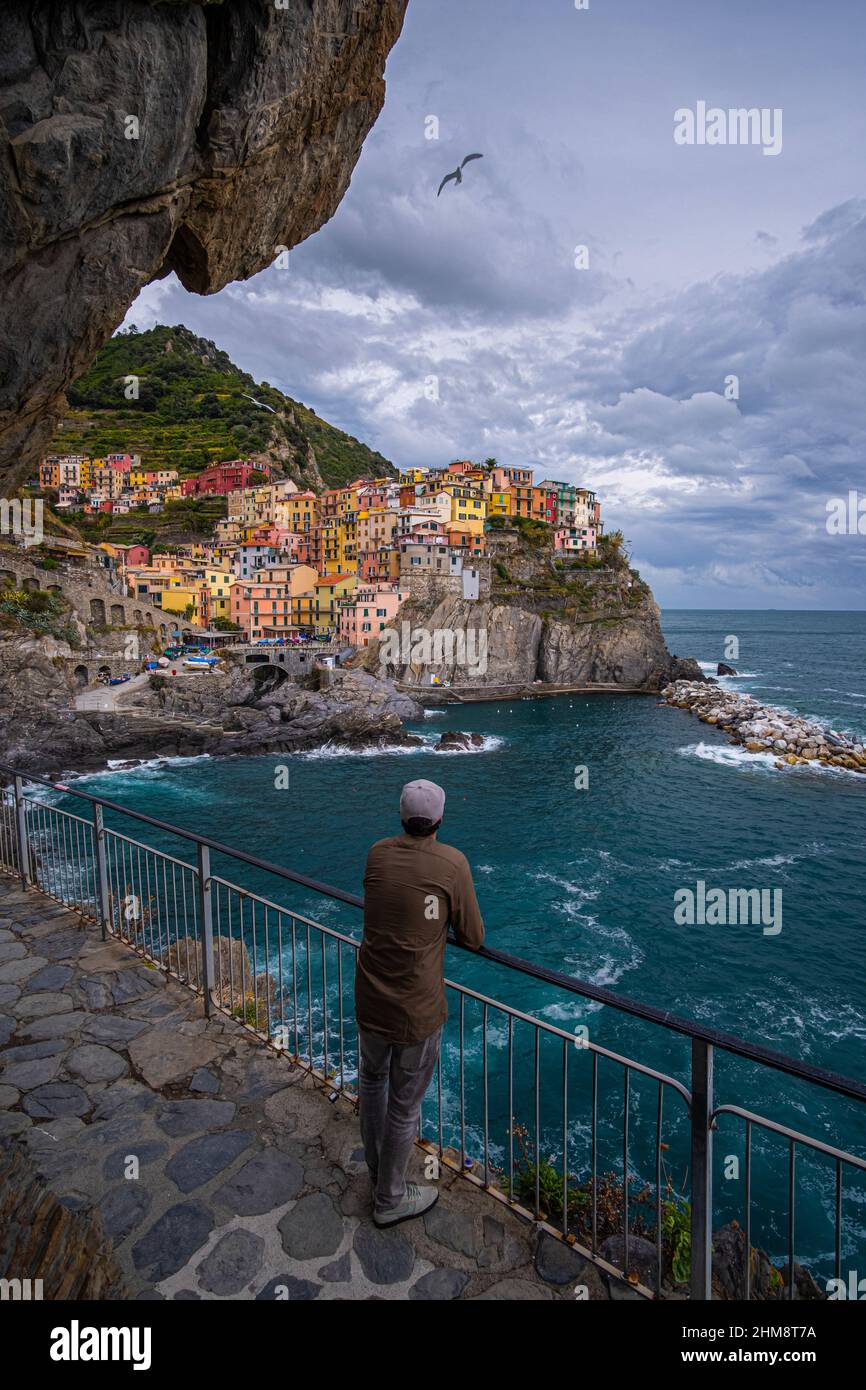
x=96 y=598
x=426 y=587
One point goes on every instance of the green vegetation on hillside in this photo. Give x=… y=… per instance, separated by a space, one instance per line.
x=23 y=611
x=193 y=410
x=529 y=529
x=188 y=519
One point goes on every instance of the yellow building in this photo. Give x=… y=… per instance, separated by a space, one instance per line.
x=468 y=507
x=219 y=583
x=145 y=581
x=499 y=504
x=297 y=512
x=188 y=600
x=152 y=477
x=339 y=543
x=319 y=607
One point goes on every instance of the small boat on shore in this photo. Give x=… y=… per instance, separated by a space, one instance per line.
x=200 y=663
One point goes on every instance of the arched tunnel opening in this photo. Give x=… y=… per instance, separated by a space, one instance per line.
x=267 y=679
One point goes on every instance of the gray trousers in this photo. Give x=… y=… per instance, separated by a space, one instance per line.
x=393 y=1078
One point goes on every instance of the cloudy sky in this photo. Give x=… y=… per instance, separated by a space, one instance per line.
x=461 y=326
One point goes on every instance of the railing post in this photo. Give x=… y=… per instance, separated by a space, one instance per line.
x=702 y=1169
x=206 y=922
x=21 y=830
x=101 y=870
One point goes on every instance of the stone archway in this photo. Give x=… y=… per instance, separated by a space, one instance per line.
x=82 y=676
x=104 y=671
x=30 y=584
x=136 y=615
x=54 y=589
x=97 y=611
x=118 y=613
x=9 y=577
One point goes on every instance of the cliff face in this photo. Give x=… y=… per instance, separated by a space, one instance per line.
x=138 y=138
x=540 y=619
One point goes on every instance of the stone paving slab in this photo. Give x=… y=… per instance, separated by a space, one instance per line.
x=220 y=1170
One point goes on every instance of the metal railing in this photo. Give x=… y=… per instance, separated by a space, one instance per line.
x=289 y=979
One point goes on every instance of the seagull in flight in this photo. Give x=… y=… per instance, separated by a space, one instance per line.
x=262 y=404
x=457 y=175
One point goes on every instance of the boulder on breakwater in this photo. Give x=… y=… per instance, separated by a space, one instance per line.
x=791 y=738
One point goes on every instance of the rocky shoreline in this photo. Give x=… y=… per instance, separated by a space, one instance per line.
x=235 y=711
x=793 y=739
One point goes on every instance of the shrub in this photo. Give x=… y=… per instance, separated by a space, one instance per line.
x=677 y=1232
x=39 y=612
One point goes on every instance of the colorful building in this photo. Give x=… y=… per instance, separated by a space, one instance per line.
x=263 y=606
x=318 y=608
x=223 y=478
x=364 y=615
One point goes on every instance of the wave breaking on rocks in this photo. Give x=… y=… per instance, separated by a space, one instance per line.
x=792 y=738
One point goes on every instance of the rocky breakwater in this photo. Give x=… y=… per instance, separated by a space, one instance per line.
x=792 y=739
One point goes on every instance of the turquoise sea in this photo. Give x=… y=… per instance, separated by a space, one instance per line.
x=584 y=880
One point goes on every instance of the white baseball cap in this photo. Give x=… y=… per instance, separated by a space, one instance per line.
x=423 y=799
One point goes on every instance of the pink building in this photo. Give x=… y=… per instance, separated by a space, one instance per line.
x=366 y=614
x=572 y=539
x=377 y=496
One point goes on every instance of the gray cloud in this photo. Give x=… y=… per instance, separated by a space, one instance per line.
x=614 y=376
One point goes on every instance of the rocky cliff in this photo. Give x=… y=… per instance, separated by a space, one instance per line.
x=140 y=137
x=542 y=619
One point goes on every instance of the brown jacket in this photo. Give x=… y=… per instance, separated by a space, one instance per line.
x=414 y=889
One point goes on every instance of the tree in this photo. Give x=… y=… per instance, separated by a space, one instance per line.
x=225 y=625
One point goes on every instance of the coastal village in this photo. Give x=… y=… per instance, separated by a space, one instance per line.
x=286 y=565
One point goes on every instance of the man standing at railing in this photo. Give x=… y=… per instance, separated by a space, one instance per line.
x=414 y=889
